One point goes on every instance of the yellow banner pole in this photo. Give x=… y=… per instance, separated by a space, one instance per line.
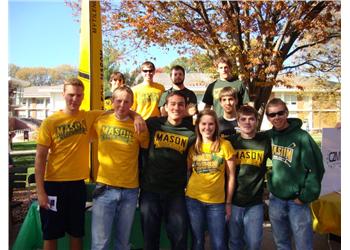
x=91 y=65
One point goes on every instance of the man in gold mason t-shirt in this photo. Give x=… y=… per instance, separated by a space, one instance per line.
x=116 y=194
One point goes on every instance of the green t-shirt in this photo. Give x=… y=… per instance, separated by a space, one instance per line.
x=251 y=156
x=164 y=165
x=211 y=95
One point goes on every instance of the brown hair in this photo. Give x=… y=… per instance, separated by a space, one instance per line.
x=117 y=75
x=276 y=102
x=228 y=91
x=149 y=64
x=215 y=146
x=73 y=82
x=222 y=59
x=247 y=110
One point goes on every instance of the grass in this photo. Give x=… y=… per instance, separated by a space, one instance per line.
x=30 y=145
x=24 y=160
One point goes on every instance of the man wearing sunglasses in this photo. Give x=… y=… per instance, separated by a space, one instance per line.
x=147 y=93
x=295 y=179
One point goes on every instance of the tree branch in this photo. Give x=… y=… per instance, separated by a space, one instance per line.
x=335 y=35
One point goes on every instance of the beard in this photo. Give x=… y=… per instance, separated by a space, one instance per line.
x=179 y=83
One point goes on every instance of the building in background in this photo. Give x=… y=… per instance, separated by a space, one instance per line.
x=317 y=105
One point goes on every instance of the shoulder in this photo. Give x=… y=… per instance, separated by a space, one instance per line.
x=158 y=86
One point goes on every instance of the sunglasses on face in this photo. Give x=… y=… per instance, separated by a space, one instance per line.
x=279 y=113
x=147 y=70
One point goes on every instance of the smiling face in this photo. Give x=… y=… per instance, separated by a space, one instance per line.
x=207 y=127
x=73 y=96
x=228 y=104
x=176 y=108
x=277 y=115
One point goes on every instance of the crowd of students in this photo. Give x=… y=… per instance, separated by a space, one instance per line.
x=191 y=174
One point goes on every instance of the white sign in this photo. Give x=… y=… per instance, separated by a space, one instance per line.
x=331 y=152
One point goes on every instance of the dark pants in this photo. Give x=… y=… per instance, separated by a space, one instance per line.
x=154 y=207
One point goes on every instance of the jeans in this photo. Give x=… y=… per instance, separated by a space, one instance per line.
x=246 y=227
x=288 y=218
x=113 y=206
x=172 y=208
x=212 y=215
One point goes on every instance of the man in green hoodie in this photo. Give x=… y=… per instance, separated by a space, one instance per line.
x=295 y=179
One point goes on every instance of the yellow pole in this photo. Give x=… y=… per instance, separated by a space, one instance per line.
x=91 y=65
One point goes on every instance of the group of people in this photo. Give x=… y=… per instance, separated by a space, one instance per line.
x=187 y=169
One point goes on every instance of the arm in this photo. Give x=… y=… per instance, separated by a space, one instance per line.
x=40 y=165
x=230 y=177
x=139 y=122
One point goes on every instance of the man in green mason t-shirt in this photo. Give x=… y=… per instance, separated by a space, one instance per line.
x=164 y=173
x=252 y=150
x=211 y=95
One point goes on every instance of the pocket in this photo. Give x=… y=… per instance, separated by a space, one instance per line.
x=99 y=190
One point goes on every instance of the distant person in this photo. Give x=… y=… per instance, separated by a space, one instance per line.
x=228 y=122
x=116 y=194
x=177 y=75
x=209 y=160
x=252 y=151
x=211 y=95
x=295 y=179
x=164 y=174
x=147 y=94
x=116 y=80
x=62 y=165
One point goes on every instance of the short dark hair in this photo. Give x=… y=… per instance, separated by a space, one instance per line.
x=178 y=93
x=247 y=110
x=149 y=64
x=117 y=75
x=177 y=67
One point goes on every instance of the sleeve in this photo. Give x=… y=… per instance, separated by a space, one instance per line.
x=312 y=160
x=162 y=99
x=44 y=135
x=208 y=95
x=229 y=150
x=193 y=98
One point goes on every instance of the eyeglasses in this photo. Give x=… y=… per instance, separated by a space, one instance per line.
x=147 y=70
x=279 y=113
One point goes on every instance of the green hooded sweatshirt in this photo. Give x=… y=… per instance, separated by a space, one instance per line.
x=297 y=164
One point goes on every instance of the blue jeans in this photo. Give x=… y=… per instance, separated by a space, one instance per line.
x=113 y=206
x=172 y=208
x=246 y=227
x=288 y=218
x=212 y=215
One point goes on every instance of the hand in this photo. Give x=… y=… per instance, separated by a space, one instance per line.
x=297 y=201
x=139 y=124
x=43 y=201
x=228 y=208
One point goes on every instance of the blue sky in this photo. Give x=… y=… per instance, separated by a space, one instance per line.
x=44 y=33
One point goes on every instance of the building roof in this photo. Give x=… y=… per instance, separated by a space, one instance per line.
x=41 y=91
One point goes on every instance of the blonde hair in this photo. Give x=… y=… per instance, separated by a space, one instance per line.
x=228 y=91
x=121 y=89
x=215 y=146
